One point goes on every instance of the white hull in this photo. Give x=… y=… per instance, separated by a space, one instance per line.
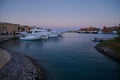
x=52 y=36
x=30 y=38
x=44 y=37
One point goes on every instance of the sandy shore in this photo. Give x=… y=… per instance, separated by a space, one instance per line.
x=18 y=66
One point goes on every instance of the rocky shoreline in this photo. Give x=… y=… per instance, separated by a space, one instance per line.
x=108 y=52
x=20 y=67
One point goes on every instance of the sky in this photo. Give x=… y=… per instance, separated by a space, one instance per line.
x=66 y=14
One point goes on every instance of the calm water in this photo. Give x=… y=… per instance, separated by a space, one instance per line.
x=72 y=57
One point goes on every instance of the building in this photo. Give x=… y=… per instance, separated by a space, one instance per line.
x=25 y=28
x=88 y=29
x=9 y=28
x=110 y=29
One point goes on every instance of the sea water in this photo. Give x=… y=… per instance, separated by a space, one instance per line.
x=71 y=57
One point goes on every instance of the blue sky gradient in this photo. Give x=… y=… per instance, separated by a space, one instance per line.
x=61 y=13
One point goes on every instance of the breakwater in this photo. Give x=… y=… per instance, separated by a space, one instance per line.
x=108 y=52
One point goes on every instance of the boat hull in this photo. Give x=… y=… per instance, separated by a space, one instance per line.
x=30 y=38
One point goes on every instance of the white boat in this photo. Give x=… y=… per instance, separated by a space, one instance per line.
x=30 y=37
x=35 y=34
x=52 y=34
x=97 y=39
x=38 y=33
x=60 y=33
x=114 y=32
x=94 y=32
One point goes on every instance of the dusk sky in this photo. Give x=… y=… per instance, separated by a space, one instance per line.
x=61 y=13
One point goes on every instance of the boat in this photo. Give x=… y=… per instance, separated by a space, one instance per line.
x=35 y=34
x=60 y=34
x=38 y=33
x=30 y=37
x=94 y=32
x=97 y=39
x=53 y=34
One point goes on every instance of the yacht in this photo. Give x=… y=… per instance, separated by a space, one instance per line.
x=53 y=33
x=30 y=37
x=38 y=33
x=35 y=34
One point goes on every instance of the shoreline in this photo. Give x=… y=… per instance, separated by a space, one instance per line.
x=108 y=52
x=4 y=57
x=20 y=67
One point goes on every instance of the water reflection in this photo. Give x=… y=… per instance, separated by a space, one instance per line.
x=38 y=43
x=31 y=44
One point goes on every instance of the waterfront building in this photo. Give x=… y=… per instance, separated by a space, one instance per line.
x=113 y=29
x=89 y=30
x=9 y=28
x=25 y=28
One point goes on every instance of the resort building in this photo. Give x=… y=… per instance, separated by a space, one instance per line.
x=25 y=28
x=9 y=28
x=89 y=30
x=113 y=29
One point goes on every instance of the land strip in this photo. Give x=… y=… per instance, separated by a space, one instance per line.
x=110 y=48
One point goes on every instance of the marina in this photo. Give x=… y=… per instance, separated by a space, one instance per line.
x=71 y=57
x=59 y=39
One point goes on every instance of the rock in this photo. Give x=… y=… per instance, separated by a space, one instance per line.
x=108 y=52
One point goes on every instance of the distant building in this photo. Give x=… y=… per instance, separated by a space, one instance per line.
x=113 y=29
x=25 y=28
x=89 y=30
x=9 y=28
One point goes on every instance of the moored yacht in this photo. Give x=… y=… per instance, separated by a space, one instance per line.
x=38 y=33
x=30 y=37
x=53 y=34
x=35 y=34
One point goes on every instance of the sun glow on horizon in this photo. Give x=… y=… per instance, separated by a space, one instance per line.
x=61 y=13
